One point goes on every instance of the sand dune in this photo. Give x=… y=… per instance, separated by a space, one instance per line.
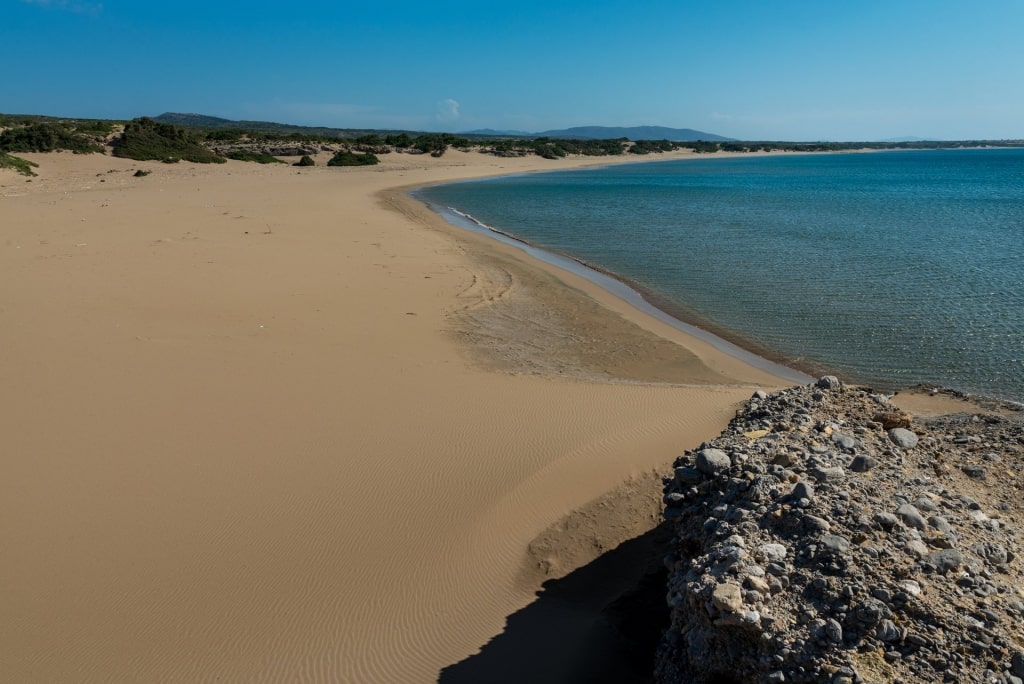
x=263 y=425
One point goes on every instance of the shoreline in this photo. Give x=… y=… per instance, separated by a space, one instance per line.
x=803 y=370
x=641 y=298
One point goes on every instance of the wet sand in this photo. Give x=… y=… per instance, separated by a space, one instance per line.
x=263 y=425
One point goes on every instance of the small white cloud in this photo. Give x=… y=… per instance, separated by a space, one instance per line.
x=447 y=110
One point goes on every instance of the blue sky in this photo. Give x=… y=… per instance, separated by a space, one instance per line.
x=781 y=70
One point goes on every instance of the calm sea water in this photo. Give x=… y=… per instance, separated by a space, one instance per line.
x=890 y=268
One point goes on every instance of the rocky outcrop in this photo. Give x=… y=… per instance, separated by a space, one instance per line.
x=825 y=537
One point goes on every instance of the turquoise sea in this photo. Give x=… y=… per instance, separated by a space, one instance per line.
x=888 y=268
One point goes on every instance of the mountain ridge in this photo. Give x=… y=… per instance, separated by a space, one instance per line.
x=635 y=133
x=576 y=132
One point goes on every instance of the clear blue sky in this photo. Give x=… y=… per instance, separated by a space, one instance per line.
x=780 y=70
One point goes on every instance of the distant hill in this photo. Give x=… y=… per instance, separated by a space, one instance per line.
x=578 y=133
x=635 y=133
x=214 y=122
x=491 y=131
x=907 y=139
x=193 y=120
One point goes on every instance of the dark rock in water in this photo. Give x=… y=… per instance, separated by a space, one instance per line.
x=844 y=548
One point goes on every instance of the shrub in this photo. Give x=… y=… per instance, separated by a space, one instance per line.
x=258 y=157
x=226 y=134
x=306 y=161
x=22 y=166
x=347 y=158
x=97 y=127
x=144 y=139
x=45 y=137
x=702 y=147
x=402 y=140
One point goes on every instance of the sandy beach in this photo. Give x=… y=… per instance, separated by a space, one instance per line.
x=264 y=424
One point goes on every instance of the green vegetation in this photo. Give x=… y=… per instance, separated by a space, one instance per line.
x=145 y=139
x=226 y=134
x=172 y=137
x=656 y=146
x=434 y=144
x=46 y=137
x=100 y=128
x=258 y=157
x=554 y=148
x=22 y=166
x=347 y=158
x=307 y=161
x=702 y=147
x=400 y=141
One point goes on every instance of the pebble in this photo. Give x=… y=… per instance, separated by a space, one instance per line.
x=862 y=463
x=815 y=523
x=888 y=631
x=712 y=461
x=686 y=475
x=903 y=438
x=912 y=517
x=945 y=560
x=886 y=521
x=975 y=471
x=1017 y=664
x=828 y=474
x=834 y=544
x=844 y=441
x=802 y=490
x=727 y=598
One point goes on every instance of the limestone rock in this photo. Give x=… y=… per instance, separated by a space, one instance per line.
x=903 y=438
x=712 y=461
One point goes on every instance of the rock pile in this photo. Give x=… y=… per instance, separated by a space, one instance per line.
x=825 y=537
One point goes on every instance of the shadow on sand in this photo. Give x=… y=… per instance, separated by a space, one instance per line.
x=600 y=623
